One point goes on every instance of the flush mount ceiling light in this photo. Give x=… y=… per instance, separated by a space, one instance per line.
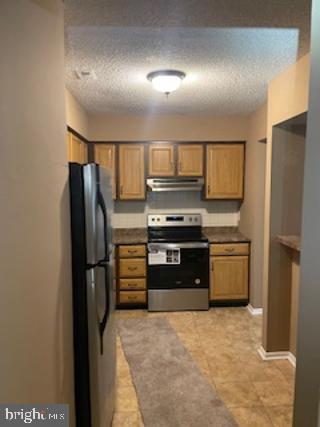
x=166 y=81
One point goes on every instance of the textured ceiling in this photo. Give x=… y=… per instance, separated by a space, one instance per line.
x=228 y=59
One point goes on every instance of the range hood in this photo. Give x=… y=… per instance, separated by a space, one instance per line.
x=175 y=184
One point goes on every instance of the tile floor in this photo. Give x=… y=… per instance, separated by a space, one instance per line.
x=223 y=342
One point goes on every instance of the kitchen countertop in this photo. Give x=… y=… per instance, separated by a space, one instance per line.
x=224 y=235
x=127 y=236
x=292 y=242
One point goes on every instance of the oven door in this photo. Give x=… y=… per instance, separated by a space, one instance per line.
x=178 y=265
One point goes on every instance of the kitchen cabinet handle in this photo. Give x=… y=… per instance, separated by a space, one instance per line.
x=132 y=297
x=212 y=266
x=180 y=166
x=132 y=251
x=229 y=249
x=121 y=189
x=209 y=189
x=132 y=268
x=132 y=285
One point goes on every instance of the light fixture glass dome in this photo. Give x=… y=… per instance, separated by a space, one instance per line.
x=166 y=81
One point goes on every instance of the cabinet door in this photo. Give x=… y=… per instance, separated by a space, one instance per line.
x=225 y=169
x=161 y=160
x=229 y=277
x=190 y=160
x=77 y=150
x=131 y=172
x=105 y=155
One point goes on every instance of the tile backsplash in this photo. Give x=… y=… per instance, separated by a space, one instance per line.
x=214 y=213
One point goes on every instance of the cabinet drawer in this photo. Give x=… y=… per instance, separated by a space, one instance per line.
x=133 y=284
x=132 y=297
x=229 y=249
x=132 y=267
x=132 y=251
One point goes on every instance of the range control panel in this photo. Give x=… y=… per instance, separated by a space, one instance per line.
x=174 y=220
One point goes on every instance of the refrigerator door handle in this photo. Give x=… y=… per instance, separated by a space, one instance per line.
x=102 y=206
x=103 y=323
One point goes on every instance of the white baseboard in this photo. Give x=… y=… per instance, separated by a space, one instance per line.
x=254 y=311
x=292 y=359
x=277 y=355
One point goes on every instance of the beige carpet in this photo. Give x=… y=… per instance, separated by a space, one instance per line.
x=171 y=389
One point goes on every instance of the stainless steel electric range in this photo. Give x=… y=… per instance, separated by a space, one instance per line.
x=178 y=263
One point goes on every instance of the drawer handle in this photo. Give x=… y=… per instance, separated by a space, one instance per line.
x=132 y=297
x=132 y=268
x=132 y=251
x=229 y=249
x=132 y=285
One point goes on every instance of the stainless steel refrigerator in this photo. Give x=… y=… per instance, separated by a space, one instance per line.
x=93 y=294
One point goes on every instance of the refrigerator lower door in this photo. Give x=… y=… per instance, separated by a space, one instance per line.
x=102 y=343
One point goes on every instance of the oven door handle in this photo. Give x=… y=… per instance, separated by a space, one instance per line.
x=181 y=245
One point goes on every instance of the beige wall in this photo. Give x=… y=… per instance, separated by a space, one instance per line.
x=287 y=97
x=178 y=128
x=288 y=93
x=77 y=117
x=35 y=313
x=252 y=210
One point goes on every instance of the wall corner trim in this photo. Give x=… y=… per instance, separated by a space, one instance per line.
x=277 y=355
x=254 y=311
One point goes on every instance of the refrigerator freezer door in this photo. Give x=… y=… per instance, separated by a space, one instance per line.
x=91 y=208
x=104 y=219
x=98 y=213
x=102 y=348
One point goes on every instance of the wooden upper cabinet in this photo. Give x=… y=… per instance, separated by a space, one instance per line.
x=77 y=149
x=131 y=172
x=190 y=160
x=161 y=160
x=225 y=171
x=229 y=277
x=105 y=155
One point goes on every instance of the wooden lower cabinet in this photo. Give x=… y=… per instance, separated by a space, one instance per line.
x=132 y=267
x=229 y=277
x=132 y=284
x=131 y=275
x=132 y=297
x=132 y=251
